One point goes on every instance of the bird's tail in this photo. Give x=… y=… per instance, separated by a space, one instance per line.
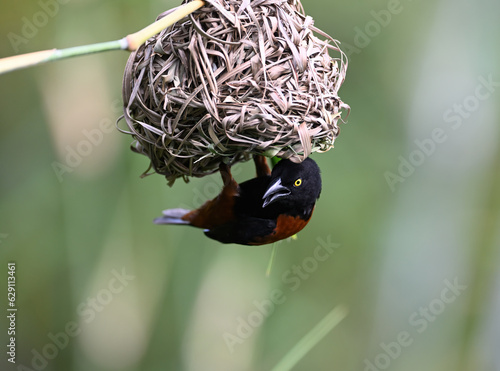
x=172 y=216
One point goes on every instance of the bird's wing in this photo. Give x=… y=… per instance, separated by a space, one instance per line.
x=220 y=210
x=244 y=231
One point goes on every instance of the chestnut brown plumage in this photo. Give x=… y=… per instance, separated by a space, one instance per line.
x=271 y=207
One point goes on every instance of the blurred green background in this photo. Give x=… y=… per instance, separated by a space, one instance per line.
x=409 y=208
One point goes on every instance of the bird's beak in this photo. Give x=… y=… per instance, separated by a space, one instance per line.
x=275 y=191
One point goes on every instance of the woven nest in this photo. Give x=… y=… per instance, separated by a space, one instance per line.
x=235 y=78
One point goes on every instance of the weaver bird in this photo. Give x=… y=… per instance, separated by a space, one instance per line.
x=273 y=206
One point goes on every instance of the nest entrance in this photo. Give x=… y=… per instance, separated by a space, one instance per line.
x=235 y=78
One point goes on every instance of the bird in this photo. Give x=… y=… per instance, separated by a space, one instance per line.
x=270 y=207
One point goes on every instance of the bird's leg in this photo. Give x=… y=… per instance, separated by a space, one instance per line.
x=261 y=166
x=225 y=173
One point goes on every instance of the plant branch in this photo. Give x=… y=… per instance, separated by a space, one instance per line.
x=130 y=42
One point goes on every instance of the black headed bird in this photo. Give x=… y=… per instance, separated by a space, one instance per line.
x=273 y=206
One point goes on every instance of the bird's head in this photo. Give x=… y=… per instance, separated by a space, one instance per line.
x=297 y=185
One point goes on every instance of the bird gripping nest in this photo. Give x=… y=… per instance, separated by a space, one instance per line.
x=235 y=78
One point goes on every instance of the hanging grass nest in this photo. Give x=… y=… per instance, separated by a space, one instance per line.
x=235 y=78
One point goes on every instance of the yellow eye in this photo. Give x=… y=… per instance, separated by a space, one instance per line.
x=298 y=182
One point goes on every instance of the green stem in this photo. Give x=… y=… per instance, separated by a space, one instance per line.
x=312 y=338
x=275 y=160
x=89 y=49
x=130 y=42
x=483 y=268
x=31 y=59
x=271 y=260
